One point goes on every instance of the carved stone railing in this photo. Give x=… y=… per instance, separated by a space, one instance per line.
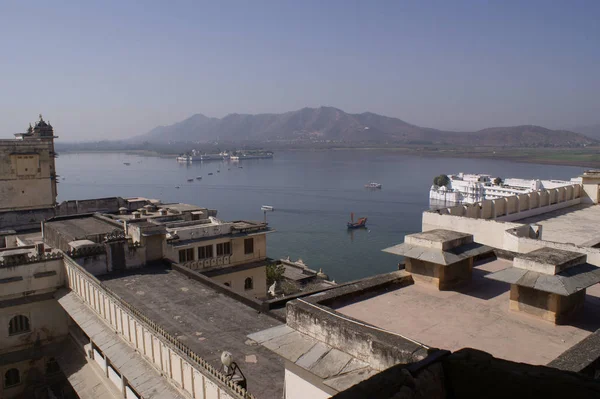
x=208 y=263
x=28 y=259
x=83 y=283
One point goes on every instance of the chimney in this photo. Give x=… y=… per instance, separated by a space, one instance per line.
x=39 y=248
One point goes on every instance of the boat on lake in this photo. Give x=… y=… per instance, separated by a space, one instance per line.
x=360 y=223
x=373 y=185
x=190 y=179
x=198 y=177
x=126 y=163
x=210 y=174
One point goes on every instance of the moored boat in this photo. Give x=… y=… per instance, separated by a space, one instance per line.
x=373 y=185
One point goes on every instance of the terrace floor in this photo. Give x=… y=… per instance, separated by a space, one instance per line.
x=477 y=316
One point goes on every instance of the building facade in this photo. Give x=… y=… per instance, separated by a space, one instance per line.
x=27 y=169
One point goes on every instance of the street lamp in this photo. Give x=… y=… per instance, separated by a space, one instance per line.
x=232 y=370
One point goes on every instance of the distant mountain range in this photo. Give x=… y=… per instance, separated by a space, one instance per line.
x=332 y=124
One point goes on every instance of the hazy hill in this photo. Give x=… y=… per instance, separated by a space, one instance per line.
x=328 y=123
x=591 y=130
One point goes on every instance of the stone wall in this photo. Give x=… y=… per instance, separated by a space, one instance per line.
x=27 y=174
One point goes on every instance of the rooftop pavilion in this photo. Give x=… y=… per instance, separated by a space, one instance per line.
x=549 y=283
x=442 y=258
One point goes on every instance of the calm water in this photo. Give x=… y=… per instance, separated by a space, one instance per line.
x=313 y=194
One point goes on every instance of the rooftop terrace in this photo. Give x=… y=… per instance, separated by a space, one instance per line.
x=579 y=225
x=476 y=316
x=207 y=321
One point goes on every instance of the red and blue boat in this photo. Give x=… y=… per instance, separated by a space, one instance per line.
x=359 y=224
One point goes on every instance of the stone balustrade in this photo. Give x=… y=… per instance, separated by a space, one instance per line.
x=184 y=368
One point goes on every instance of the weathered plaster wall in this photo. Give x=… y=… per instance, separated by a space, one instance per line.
x=297 y=387
x=47 y=320
x=26 y=174
x=236 y=281
x=31 y=279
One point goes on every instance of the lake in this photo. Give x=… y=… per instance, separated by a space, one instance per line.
x=313 y=194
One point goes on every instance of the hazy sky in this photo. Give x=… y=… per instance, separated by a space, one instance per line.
x=120 y=68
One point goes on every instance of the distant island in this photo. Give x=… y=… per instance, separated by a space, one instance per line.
x=329 y=128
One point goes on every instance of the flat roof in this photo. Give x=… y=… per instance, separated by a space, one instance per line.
x=207 y=321
x=476 y=316
x=81 y=227
x=575 y=224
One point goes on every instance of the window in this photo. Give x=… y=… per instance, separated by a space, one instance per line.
x=18 y=325
x=12 y=378
x=224 y=249
x=205 y=252
x=248 y=283
x=186 y=255
x=249 y=246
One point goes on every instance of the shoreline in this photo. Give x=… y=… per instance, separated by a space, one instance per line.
x=557 y=157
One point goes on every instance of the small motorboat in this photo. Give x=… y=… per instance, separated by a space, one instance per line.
x=373 y=185
x=210 y=174
x=198 y=177
x=190 y=179
x=177 y=187
x=360 y=223
x=218 y=171
x=126 y=163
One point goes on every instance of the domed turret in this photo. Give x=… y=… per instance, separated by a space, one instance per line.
x=43 y=128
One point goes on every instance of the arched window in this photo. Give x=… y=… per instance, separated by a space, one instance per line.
x=18 y=325
x=12 y=378
x=248 y=283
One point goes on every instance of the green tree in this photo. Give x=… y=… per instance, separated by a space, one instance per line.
x=274 y=273
x=498 y=181
x=441 y=180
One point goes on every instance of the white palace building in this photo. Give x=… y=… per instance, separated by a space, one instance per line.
x=471 y=188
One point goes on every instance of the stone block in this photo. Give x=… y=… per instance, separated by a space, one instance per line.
x=439 y=239
x=547 y=306
x=549 y=261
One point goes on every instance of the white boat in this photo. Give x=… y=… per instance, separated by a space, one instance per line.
x=373 y=185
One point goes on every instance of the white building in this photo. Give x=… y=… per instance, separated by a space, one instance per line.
x=471 y=188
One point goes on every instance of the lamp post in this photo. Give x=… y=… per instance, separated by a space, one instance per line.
x=232 y=370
